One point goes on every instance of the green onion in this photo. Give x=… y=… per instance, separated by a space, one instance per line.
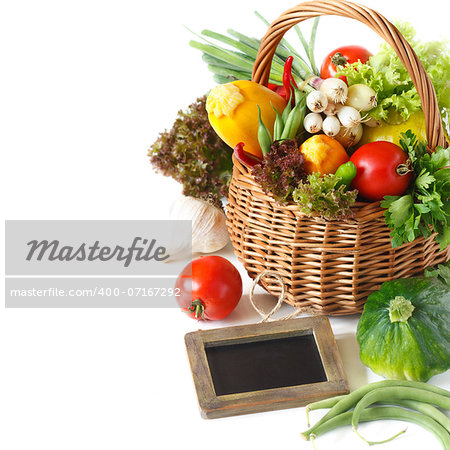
x=277 y=64
x=289 y=49
x=312 y=44
x=208 y=59
x=239 y=62
x=227 y=56
x=244 y=48
x=225 y=72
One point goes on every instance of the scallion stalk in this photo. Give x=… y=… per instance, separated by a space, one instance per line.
x=237 y=62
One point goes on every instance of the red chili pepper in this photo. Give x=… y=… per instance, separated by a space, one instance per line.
x=273 y=87
x=288 y=79
x=244 y=157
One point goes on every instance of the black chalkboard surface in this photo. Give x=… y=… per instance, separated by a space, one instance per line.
x=263 y=367
x=268 y=364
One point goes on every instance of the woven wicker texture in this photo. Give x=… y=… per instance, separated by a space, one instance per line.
x=331 y=266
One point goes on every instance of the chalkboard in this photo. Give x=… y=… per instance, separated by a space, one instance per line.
x=262 y=367
x=268 y=364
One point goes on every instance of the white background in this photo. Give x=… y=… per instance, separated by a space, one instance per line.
x=86 y=86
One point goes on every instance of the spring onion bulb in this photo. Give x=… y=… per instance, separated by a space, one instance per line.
x=349 y=116
x=361 y=97
x=335 y=89
x=313 y=123
x=316 y=101
x=331 y=109
x=349 y=137
x=331 y=126
x=372 y=123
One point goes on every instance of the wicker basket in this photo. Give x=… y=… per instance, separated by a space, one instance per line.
x=331 y=266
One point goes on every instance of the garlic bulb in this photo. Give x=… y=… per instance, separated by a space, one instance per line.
x=209 y=230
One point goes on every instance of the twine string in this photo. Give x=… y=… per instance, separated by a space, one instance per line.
x=266 y=317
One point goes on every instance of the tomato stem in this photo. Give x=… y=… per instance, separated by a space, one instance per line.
x=404 y=169
x=198 y=308
x=339 y=59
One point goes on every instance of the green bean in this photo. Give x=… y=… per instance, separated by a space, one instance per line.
x=396 y=393
x=264 y=137
x=381 y=413
x=278 y=125
x=293 y=122
x=299 y=96
x=350 y=400
x=293 y=118
x=424 y=408
x=322 y=404
x=287 y=109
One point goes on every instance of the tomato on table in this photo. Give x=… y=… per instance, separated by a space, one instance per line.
x=382 y=168
x=210 y=288
x=347 y=54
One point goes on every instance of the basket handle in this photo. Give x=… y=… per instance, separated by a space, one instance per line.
x=379 y=24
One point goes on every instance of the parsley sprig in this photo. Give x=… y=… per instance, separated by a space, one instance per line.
x=441 y=272
x=425 y=208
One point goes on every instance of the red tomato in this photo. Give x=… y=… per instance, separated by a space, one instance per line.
x=377 y=170
x=351 y=53
x=210 y=288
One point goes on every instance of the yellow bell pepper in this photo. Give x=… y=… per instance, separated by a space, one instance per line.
x=391 y=133
x=233 y=112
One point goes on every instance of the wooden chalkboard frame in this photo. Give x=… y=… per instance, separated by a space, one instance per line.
x=215 y=406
